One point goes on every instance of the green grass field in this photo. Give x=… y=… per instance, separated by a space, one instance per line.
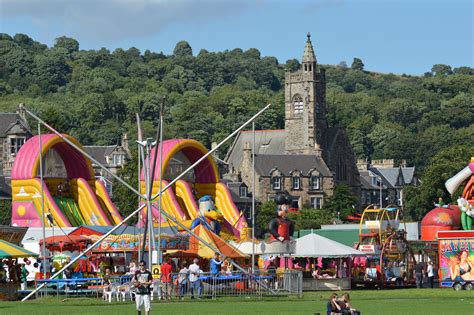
x=403 y=301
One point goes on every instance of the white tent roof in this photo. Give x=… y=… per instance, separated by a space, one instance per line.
x=314 y=245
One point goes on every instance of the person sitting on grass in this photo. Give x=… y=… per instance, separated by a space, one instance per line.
x=333 y=307
x=346 y=306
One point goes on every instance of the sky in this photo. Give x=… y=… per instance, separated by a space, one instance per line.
x=390 y=36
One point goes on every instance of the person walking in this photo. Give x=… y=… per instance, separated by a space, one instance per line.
x=166 y=270
x=23 y=277
x=430 y=274
x=195 y=282
x=419 y=269
x=142 y=280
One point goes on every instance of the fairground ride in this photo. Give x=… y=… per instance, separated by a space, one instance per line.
x=390 y=260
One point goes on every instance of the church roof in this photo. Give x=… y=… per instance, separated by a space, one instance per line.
x=266 y=142
x=308 y=55
x=286 y=163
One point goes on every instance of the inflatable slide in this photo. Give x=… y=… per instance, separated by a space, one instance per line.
x=180 y=200
x=72 y=196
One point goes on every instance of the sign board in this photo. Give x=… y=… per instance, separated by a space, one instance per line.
x=129 y=242
x=155 y=271
x=456 y=251
x=369 y=249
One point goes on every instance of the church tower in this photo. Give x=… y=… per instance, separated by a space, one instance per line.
x=305 y=105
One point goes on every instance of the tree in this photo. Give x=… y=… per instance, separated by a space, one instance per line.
x=357 y=64
x=342 y=201
x=308 y=218
x=70 y=44
x=441 y=70
x=419 y=200
x=265 y=213
x=182 y=49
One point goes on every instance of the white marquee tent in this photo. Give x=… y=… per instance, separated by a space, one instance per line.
x=314 y=245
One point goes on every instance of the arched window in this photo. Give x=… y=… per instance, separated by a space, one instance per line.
x=298 y=104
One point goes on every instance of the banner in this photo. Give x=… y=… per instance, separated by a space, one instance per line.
x=130 y=242
x=456 y=259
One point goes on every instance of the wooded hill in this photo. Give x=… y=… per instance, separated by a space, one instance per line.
x=94 y=95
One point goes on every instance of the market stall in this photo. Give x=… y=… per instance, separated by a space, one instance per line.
x=329 y=263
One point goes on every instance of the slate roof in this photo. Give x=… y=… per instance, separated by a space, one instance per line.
x=408 y=175
x=7 y=120
x=266 y=142
x=365 y=180
x=287 y=163
x=99 y=152
x=271 y=142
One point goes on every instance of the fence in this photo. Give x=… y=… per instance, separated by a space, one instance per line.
x=181 y=287
x=234 y=284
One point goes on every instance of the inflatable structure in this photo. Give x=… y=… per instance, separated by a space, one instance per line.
x=466 y=202
x=72 y=196
x=180 y=200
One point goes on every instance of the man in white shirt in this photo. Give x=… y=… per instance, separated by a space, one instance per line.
x=430 y=274
x=195 y=283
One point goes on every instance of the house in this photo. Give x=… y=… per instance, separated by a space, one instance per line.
x=14 y=132
x=308 y=157
x=384 y=176
x=113 y=157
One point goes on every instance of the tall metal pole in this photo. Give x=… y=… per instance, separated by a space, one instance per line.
x=148 y=201
x=161 y=180
x=139 y=213
x=380 y=179
x=253 y=198
x=43 y=221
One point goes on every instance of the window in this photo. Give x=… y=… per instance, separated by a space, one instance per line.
x=243 y=191
x=316 y=202
x=15 y=145
x=118 y=159
x=298 y=104
x=375 y=181
x=315 y=182
x=276 y=182
x=296 y=182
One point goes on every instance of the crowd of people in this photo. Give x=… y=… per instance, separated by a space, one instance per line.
x=14 y=271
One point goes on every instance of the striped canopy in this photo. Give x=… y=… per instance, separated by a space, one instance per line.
x=9 y=250
x=196 y=248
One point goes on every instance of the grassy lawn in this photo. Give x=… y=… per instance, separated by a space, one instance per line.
x=404 y=301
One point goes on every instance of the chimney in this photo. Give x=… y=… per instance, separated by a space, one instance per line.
x=215 y=153
x=317 y=150
x=125 y=143
x=21 y=111
x=246 y=167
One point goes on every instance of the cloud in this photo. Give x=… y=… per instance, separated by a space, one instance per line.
x=111 y=20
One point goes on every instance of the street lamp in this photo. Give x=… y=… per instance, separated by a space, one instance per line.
x=379 y=178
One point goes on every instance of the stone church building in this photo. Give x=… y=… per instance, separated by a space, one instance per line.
x=308 y=157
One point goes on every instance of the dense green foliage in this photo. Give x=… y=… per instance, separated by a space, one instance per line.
x=94 y=95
